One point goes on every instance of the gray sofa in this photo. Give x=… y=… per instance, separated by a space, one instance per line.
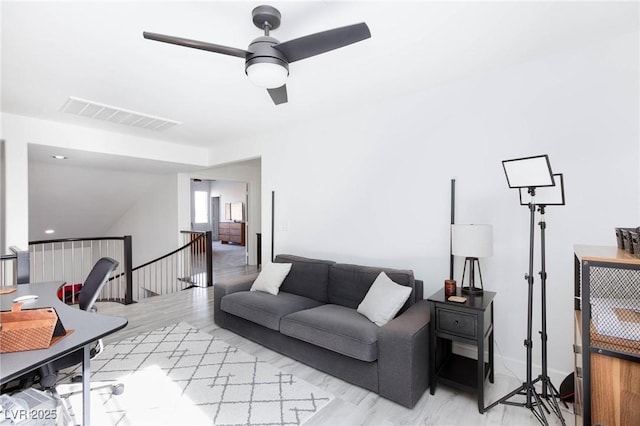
x=313 y=319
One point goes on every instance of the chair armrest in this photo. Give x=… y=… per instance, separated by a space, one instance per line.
x=403 y=355
x=222 y=288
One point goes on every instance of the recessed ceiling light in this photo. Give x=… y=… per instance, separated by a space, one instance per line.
x=49 y=231
x=59 y=157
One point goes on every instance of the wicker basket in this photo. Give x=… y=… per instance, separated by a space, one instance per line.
x=26 y=330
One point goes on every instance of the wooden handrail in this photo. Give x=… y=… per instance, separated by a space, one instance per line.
x=172 y=253
x=65 y=240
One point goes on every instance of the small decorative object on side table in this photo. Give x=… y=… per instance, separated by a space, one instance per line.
x=470 y=322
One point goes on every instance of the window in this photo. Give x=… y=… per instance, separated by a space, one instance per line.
x=201 y=206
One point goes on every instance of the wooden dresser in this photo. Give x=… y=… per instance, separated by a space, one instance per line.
x=232 y=232
x=606 y=336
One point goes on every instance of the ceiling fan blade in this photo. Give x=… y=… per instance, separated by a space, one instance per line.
x=314 y=44
x=279 y=95
x=232 y=51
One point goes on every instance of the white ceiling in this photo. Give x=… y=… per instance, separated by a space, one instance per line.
x=92 y=50
x=95 y=51
x=83 y=201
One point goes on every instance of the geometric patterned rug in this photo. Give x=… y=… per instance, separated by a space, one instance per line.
x=178 y=375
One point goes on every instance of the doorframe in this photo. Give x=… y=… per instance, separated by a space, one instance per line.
x=248 y=171
x=214 y=217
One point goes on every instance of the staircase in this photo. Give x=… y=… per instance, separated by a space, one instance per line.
x=71 y=259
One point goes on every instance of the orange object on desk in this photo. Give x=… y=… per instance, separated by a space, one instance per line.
x=26 y=330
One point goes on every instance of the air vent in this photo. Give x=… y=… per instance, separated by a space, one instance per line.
x=116 y=115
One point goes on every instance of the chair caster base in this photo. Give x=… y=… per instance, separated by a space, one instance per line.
x=117 y=389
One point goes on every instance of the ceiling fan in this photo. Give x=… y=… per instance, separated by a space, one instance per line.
x=266 y=59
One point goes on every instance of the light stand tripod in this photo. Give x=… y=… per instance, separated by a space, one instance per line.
x=533 y=400
x=549 y=392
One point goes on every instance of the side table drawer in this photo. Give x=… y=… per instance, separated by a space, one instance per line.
x=456 y=323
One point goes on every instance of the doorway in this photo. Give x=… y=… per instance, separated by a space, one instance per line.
x=211 y=209
x=200 y=211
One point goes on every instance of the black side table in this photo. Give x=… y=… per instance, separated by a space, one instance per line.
x=470 y=322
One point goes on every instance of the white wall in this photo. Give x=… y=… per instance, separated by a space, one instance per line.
x=3 y=204
x=152 y=222
x=16 y=211
x=372 y=186
x=229 y=192
x=62 y=135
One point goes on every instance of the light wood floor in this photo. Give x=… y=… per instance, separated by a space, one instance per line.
x=352 y=405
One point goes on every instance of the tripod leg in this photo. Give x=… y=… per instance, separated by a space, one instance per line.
x=557 y=394
x=508 y=396
x=539 y=405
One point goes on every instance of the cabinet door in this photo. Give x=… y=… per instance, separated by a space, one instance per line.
x=615 y=391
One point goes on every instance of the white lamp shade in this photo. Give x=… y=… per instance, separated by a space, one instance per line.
x=267 y=75
x=472 y=240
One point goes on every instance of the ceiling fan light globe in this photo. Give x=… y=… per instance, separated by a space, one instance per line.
x=267 y=75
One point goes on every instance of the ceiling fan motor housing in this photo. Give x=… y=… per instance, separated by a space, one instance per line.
x=262 y=51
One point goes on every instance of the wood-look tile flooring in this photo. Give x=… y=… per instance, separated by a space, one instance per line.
x=352 y=405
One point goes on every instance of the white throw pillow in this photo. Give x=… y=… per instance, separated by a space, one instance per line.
x=271 y=277
x=383 y=300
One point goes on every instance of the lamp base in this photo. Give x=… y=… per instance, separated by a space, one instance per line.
x=471 y=287
x=471 y=290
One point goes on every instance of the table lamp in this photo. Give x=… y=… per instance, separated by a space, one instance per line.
x=472 y=242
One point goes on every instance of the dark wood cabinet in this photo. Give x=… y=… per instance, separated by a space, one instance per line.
x=470 y=322
x=606 y=337
x=232 y=232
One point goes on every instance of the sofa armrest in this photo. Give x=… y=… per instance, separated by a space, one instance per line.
x=419 y=290
x=403 y=355
x=222 y=288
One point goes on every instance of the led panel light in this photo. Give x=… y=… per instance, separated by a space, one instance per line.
x=528 y=172
x=546 y=196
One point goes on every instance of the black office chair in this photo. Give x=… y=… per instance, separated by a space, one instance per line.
x=48 y=374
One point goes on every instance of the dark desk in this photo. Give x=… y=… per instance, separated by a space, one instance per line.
x=88 y=327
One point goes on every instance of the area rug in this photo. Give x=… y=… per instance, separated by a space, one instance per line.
x=178 y=375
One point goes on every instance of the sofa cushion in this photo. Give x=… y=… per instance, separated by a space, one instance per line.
x=349 y=284
x=336 y=328
x=308 y=277
x=383 y=300
x=271 y=277
x=264 y=308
